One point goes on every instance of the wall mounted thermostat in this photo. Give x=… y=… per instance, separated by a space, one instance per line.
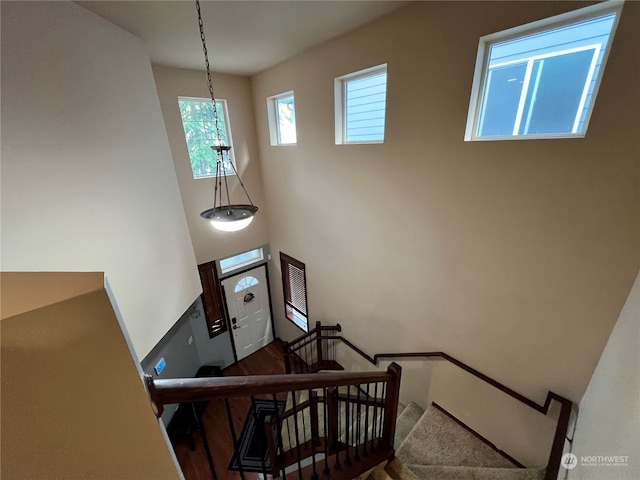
x=160 y=366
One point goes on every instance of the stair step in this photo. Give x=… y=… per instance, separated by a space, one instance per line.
x=438 y=472
x=408 y=419
x=379 y=473
x=438 y=440
x=399 y=471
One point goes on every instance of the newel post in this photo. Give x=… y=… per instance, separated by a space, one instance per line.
x=391 y=404
x=319 y=343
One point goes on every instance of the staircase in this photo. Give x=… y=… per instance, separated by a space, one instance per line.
x=344 y=425
x=432 y=446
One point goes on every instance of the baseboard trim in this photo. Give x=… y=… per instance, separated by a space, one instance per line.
x=477 y=435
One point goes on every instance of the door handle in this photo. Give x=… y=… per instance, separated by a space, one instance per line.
x=233 y=321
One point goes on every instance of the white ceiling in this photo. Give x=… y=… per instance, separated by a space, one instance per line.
x=243 y=37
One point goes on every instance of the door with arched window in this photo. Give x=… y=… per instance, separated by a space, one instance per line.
x=247 y=298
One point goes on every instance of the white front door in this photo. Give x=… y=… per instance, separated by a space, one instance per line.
x=248 y=306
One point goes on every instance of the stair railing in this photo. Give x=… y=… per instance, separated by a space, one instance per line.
x=312 y=352
x=344 y=427
x=566 y=405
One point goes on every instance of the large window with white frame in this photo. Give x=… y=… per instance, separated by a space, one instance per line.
x=540 y=80
x=281 y=110
x=199 y=124
x=360 y=100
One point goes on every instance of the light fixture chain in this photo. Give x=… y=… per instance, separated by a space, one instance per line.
x=210 y=82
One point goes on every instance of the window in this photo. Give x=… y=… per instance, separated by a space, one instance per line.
x=360 y=106
x=240 y=260
x=294 y=286
x=282 y=119
x=246 y=282
x=198 y=121
x=540 y=80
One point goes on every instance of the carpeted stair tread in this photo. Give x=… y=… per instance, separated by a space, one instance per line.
x=379 y=473
x=438 y=472
x=399 y=471
x=406 y=421
x=438 y=440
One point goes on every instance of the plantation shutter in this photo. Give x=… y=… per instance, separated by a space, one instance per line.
x=298 y=289
x=294 y=282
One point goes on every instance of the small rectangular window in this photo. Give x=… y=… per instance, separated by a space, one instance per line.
x=360 y=100
x=282 y=119
x=241 y=260
x=540 y=80
x=294 y=286
x=198 y=121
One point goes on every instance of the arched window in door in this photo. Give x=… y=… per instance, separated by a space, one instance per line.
x=246 y=282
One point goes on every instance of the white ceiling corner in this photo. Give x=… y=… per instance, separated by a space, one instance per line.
x=243 y=37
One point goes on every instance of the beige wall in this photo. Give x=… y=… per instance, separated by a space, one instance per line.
x=514 y=256
x=197 y=195
x=73 y=404
x=609 y=414
x=87 y=178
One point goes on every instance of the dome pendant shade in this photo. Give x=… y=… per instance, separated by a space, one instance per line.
x=230 y=218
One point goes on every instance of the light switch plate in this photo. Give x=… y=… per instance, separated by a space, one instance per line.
x=160 y=366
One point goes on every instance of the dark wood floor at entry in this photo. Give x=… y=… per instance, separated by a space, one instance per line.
x=267 y=361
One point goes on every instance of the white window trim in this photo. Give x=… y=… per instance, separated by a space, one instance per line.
x=225 y=112
x=274 y=123
x=482 y=60
x=340 y=110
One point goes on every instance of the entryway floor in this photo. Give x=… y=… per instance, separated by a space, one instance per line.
x=267 y=361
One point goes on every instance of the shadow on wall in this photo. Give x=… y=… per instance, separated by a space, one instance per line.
x=185 y=348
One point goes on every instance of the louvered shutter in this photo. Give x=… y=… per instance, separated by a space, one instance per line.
x=298 y=289
x=294 y=282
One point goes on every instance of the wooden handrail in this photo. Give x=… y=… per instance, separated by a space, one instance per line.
x=179 y=390
x=357 y=350
x=306 y=342
x=318 y=329
x=540 y=408
x=331 y=328
x=290 y=413
x=304 y=336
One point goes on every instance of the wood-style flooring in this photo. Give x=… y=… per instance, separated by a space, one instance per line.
x=267 y=361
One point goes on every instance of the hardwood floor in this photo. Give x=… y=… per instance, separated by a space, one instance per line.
x=267 y=361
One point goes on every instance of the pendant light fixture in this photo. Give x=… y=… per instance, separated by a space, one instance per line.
x=223 y=216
